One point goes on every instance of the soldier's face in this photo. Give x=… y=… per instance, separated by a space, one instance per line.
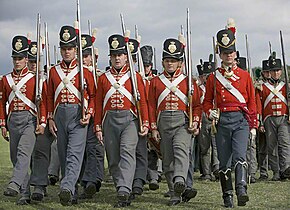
x=276 y=74
x=68 y=53
x=228 y=58
x=266 y=74
x=147 y=68
x=87 y=60
x=32 y=65
x=118 y=60
x=170 y=64
x=19 y=63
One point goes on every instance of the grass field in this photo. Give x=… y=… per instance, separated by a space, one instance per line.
x=263 y=195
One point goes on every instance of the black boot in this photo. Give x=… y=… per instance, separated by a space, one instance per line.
x=241 y=183
x=227 y=188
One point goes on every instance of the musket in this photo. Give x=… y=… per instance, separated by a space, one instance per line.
x=139 y=56
x=185 y=54
x=249 y=58
x=47 y=53
x=154 y=54
x=80 y=58
x=136 y=93
x=270 y=47
x=286 y=75
x=38 y=70
x=213 y=125
x=189 y=68
x=93 y=34
x=55 y=55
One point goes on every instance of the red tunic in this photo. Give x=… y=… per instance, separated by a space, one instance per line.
x=227 y=102
x=171 y=101
x=65 y=95
x=28 y=90
x=275 y=107
x=117 y=100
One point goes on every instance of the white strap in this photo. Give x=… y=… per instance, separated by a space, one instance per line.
x=16 y=90
x=171 y=87
x=118 y=86
x=274 y=92
x=66 y=82
x=229 y=87
x=202 y=87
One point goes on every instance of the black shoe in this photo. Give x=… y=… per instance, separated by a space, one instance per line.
x=276 y=177
x=242 y=199
x=52 y=179
x=98 y=186
x=123 y=200
x=90 y=189
x=286 y=174
x=179 y=187
x=173 y=202
x=74 y=201
x=153 y=185
x=65 y=197
x=188 y=194
x=137 y=191
x=263 y=178
x=38 y=194
x=10 y=192
x=228 y=201
x=23 y=201
x=252 y=180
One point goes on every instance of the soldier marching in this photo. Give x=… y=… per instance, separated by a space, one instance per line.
x=135 y=118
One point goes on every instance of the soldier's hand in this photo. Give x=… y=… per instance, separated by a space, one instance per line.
x=144 y=131
x=253 y=134
x=85 y=120
x=213 y=114
x=4 y=133
x=262 y=129
x=156 y=135
x=99 y=136
x=39 y=130
x=194 y=129
x=52 y=127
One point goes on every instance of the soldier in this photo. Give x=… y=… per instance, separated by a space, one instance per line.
x=92 y=173
x=262 y=143
x=67 y=120
x=116 y=108
x=152 y=173
x=273 y=107
x=19 y=92
x=207 y=145
x=232 y=90
x=169 y=117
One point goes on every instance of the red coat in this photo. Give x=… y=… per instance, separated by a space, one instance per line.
x=171 y=101
x=28 y=90
x=118 y=101
x=226 y=102
x=276 y=107
x=147 y=83
x=65 y=95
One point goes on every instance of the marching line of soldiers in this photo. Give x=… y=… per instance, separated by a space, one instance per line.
x=136 y=118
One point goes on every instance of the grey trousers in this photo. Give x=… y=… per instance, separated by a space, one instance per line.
x=54 y=165
x=71 y=142
x=263 y=154
x=152 y=173
x=141 y=162
x=189 y=178
x=251 y=157
x=121 y=137
x=41 y=158
x=175 y=143
x=93 y=164
x=208 y=153
x=232 y=139
x=21 y=127
x=277 y=135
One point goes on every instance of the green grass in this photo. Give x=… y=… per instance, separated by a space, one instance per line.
x=263 y=195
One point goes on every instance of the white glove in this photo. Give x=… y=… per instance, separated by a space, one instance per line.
x=213 y=114
x=253 y=134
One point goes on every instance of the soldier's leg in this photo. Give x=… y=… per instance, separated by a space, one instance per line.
x=251 y=159
x=272 y=141
x=239 y=146
x=284 y=148
x=204 y=146
x=23 y=125
x=214 y=158
x=54 y=165
x=152 y=173
x=263 y=156
x=40 y=164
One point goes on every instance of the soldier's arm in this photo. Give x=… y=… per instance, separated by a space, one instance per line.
x=251 y=103
x=152 y=104
x=143 y=101
x=99 y=104
x=209 y=95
